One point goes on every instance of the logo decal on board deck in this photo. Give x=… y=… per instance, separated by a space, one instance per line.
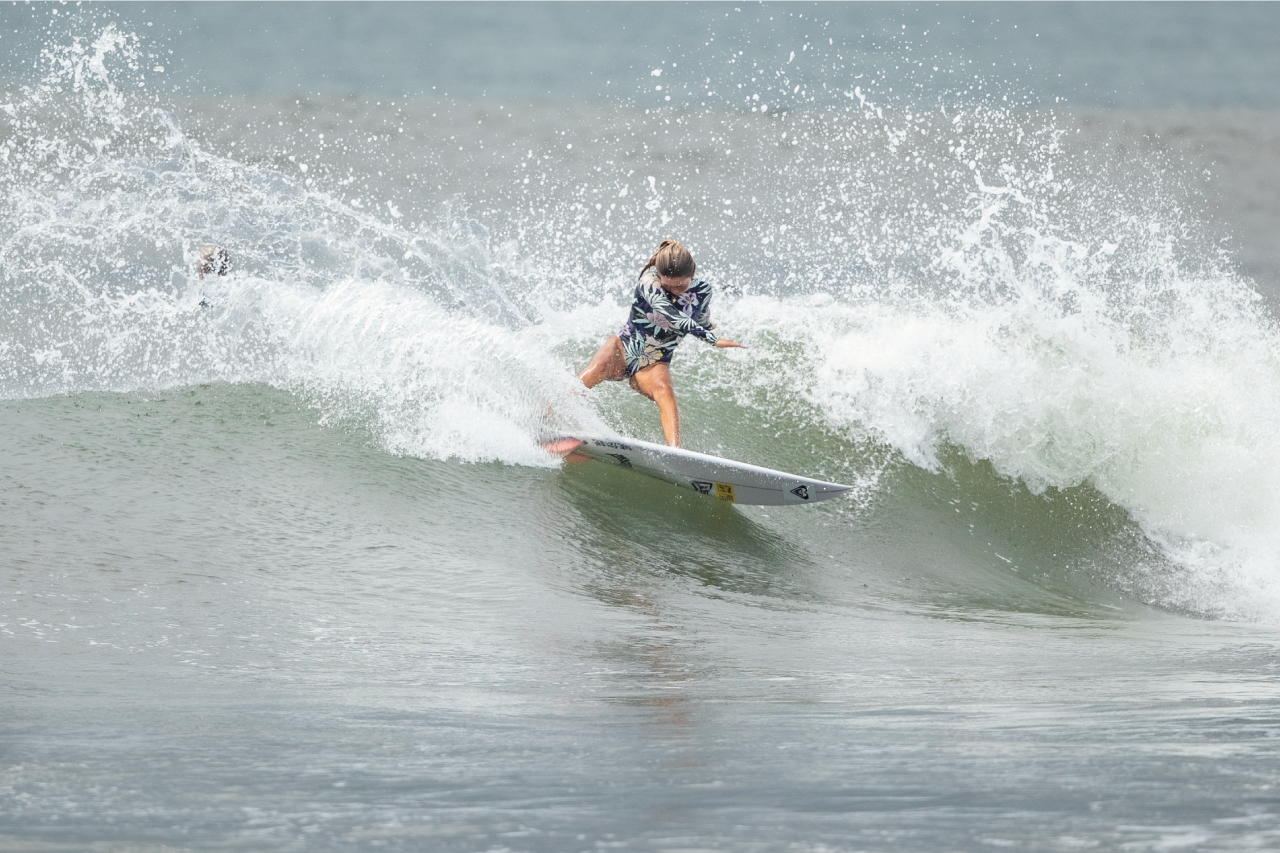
x=622 y=460
x=724 y=491
x=702 y=487
x=801 y=491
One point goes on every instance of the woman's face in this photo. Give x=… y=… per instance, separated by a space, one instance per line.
x=675 y=286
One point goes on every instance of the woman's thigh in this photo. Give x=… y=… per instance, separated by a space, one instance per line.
x=609 y=363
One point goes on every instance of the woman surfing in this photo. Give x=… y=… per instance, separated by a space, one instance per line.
x=668 y=304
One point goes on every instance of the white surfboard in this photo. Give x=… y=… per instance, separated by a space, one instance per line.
x=735 y=482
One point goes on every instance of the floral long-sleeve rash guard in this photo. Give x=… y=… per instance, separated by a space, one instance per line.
x=659 y=321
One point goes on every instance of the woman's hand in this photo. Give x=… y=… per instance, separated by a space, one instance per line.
x=725 y=343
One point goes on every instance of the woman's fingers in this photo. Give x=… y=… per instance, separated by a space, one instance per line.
x=725 y=343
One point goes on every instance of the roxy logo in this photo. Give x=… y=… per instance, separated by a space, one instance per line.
x=801 y=491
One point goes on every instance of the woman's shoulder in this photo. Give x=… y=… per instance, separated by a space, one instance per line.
x=648 y=282
x=645 y=293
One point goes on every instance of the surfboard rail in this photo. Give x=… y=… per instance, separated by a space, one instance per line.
x=713 y=476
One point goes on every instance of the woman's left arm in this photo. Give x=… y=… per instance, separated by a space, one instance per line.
x=704 y=320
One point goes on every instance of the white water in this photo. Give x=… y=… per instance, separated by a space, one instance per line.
x=962 y=279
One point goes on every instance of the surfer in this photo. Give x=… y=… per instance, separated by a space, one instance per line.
x=211 y=260
x=668 y=304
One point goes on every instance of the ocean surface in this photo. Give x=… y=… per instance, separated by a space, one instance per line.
x=289 y=570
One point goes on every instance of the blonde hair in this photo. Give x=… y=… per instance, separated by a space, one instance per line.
x=672 y=260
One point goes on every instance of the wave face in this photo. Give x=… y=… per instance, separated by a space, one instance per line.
x=922 y=289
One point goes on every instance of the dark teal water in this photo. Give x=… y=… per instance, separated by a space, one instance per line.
x=1120 y=55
